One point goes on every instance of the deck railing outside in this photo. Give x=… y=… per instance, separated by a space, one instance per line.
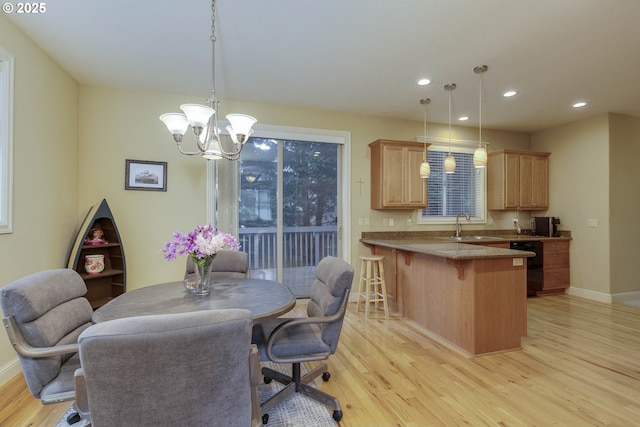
x=302 y=246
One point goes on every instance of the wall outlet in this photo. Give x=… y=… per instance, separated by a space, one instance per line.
x=515 y=221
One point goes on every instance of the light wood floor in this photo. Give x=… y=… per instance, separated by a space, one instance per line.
x=579 y=366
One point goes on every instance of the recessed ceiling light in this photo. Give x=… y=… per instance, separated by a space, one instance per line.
x=463 y=118
x=509 y=94
x=579 y=104
x=424 y=82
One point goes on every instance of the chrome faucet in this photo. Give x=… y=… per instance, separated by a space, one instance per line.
x=458 y=226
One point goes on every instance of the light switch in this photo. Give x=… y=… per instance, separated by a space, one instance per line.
x=592 y=222
x=517 y=262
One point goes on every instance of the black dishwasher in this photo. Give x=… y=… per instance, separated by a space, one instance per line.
x=534 y=264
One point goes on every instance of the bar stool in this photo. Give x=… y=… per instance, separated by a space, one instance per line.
x=372 y=288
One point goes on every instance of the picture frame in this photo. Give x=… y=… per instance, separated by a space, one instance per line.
x=145 y=175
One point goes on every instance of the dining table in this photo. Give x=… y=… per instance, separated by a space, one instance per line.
x=265 y=299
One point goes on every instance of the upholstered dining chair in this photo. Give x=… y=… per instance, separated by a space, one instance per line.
x=44 y=313
x=227 y=264
x=315 y=337
x=186 y=369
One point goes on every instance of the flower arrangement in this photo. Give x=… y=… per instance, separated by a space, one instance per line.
x=201 y=244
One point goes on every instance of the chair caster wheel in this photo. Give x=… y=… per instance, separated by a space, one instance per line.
x=337 y=415
x=267 y=380
x=326 y=376
x=265 y=419
x=73 y=418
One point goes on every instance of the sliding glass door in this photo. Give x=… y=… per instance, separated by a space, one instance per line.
x=288 y=207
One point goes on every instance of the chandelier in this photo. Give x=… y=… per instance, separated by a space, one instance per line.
x=204 y=120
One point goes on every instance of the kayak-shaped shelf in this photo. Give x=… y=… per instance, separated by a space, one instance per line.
x=99 y=235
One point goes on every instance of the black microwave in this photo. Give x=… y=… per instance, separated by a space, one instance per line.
x=545 y=226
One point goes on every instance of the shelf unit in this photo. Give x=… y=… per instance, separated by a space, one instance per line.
x=111 y=282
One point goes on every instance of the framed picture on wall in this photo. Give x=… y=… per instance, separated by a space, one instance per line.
x=145 y=175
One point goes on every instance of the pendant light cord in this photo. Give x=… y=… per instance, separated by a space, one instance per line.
x=426 y=102
x=480 y=115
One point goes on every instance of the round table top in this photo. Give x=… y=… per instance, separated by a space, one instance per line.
x=264 y=298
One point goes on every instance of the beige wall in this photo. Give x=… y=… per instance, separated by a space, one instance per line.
x=579 y=179
x=624 y=147
x=45 y=171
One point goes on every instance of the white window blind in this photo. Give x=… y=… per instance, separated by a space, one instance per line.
x=451 y=194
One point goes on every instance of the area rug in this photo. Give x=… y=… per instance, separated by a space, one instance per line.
x=297 y=411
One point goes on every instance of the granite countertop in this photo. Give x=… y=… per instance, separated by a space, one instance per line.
x=440 y=247
x=468 y=236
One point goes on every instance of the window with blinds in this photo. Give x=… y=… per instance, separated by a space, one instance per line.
x=451 y=194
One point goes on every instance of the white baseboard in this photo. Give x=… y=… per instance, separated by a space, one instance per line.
x=626 y=297
x=9 y=370
x=588 y=294
x=602 y=297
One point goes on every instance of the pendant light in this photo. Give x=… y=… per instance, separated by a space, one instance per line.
x=480 y=154
x=450 y=161
x=425 y=168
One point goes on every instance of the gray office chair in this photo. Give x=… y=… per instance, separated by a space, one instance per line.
x=226 y=265
x=44 y=313
x=186 y=369
x=297 y=340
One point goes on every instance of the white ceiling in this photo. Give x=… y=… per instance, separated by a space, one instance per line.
x=361 y=56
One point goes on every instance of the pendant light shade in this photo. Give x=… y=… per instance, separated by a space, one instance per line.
x=449 y=164
x=480 y=154
x=425 y=170
x=480 y=157
x=425 y=167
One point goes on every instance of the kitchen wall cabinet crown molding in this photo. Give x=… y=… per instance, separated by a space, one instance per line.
x=395 y=175
x=518 y=180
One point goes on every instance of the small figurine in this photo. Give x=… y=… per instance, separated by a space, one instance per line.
x=95 y=237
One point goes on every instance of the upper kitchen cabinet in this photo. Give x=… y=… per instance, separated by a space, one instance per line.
x=517 y=180
x=395 y=175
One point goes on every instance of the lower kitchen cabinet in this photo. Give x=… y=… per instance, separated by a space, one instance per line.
x=556 y=267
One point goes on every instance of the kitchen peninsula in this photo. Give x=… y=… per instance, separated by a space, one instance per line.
x=471 y=295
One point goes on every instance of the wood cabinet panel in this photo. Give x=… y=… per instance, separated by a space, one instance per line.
x=557 y=278
x=556 y=267
x=517 y=180
x=395 y=176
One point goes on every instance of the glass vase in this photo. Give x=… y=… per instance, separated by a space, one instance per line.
x=199 y=283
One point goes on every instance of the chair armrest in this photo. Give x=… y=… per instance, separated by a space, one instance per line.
x=293 y=322
x=24 y=349
x=80 y=386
